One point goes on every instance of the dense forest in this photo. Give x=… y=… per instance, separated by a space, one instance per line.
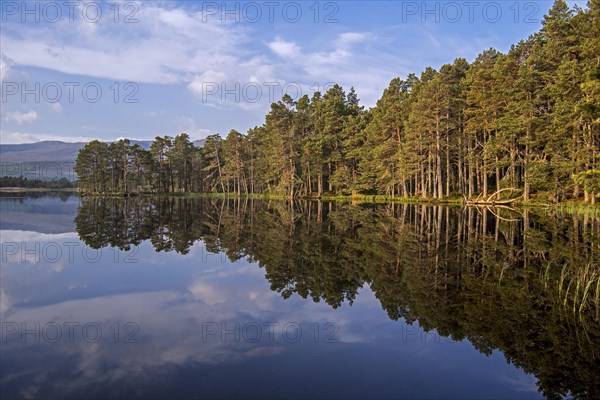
x=526 y=283
x=20 y=182
x=527 y=120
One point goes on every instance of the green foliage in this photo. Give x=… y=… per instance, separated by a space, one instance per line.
x=589 y=179
x=20 y=182
x=170 y=165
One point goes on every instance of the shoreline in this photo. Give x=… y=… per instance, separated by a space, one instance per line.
x=25 y=190
x=569 y=205
x=362 y=199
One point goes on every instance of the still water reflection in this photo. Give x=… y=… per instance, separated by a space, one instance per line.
x=205 y=298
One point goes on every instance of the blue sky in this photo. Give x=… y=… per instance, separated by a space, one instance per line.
x=83 y=70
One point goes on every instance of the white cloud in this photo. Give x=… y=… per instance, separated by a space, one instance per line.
x=247 y=86
x=31 y=236
x=165 y=46
x=207 y=293
x=102 y=129
x=155 y=114
x=16 y=256
x=188 y=125
x=178 y=46
x=5 y=303
x=207 y=84
x=21 y=118
x=57 y=108
x=349 y=61
x=348 y=38
x=28 y=137
x=285 y=49
x=4 y=67
x=521 y=383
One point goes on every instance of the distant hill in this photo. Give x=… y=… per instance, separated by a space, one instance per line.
x=48 y=159
x=40 y=151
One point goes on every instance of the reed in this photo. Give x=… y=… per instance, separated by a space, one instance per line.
x=577 y=209
x=579 y=289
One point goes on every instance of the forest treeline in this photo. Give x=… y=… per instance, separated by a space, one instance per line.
x=528 y=119
x=20 y=182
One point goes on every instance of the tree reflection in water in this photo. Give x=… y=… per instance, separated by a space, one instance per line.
x=525 y=283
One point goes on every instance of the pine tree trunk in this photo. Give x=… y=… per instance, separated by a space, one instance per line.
x=320 y=185
x=430 y=183
x=471 y=166
x=526 y=188
x=448 y=173
x=423 y=186
x=309 y=187
x=497 y=175
x=329 y=177
x=438 y=161
x=484 y=179
x=461 y=188
x=513 y=168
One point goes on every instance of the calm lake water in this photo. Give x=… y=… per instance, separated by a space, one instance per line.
x=213 y=298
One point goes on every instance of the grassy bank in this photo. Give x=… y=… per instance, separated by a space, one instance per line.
x=579 y=208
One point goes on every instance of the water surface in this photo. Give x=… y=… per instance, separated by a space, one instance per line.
x=205 y=298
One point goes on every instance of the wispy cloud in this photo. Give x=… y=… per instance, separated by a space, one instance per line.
x=11 y=137
x=4 y=67
x=285 y=49
x=165 y=46
x=57 y=108
x=348 y=59
x=21 y=118
x=188 y=125
x=180 y=46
